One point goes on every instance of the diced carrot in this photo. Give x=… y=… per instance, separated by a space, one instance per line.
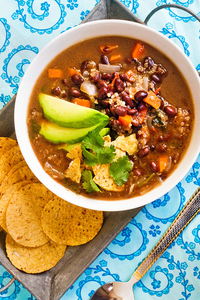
x=131 y=75
x=82 y=102
x=163 y=161
x=142 y=114
x=157 y=90
x=153 y=129
x=138 y=50
x=125 y=120
x=115 y=57
x=72 y=71
x=55 y=73
x=107 y=49
x=152 y=100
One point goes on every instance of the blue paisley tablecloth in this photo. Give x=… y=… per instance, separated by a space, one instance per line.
x=26 y=26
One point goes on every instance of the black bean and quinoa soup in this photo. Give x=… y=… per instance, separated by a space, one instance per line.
x=148 y=103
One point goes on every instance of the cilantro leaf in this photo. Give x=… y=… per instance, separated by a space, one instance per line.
x=106 y=154
x=101 y=155
x=120 y=169
x=93 y=141
x=89 y=158
x=89 y=185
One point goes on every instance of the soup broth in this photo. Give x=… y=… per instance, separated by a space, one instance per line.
x=150 y=112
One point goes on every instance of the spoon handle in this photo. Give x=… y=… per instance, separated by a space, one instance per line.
x=189 y=211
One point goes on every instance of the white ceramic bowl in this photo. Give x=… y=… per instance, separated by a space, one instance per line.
x=80 y=33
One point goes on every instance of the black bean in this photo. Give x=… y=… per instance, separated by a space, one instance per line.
x=56 y=91
x=116 y=123
x=124 y=77
x=65 y=81
x=161 y=70
x=160 y=138
x=103 y=93
x=74 y=92
x=106 y=76
x=170 y=111
x=113 y=112
x=141 y=106
x=148 y=62
x=140 y=95
x=104 y=60
x=138 y=172
x=143 y=152
x=108 y=113
x=132 y=111
x=84 y=66
x=105 y=103
x=136 y=129
x=152 y=147
x=77 y=79
x=153 y=166
x=101 y=83
x=126 y=98
x=156 y=78
x=119 y=85
x=120 y=110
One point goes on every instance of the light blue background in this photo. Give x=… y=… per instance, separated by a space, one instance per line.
x=25 y=28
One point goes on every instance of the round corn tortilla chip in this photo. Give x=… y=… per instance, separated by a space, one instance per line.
x=23 y=215
x=8 y=160
x=34 y=260
x=65 y=223
x=5 y=199
x=6 y=144
x=23 y=172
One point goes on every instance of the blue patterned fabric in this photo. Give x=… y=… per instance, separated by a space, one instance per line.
x=25 y=28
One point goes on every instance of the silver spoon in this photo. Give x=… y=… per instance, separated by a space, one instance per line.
x=124 y=290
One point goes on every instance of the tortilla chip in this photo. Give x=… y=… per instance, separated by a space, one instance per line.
x=5 y=199
x=1 y=228
x=75 y=152
x=6 y=144
x=107 y=140
x=128 y=144
x=8 y=160
x=74 y=170
x=34 y=260
x=23 y=215
x=104 y=180
x=65 y=223
x=20 y=174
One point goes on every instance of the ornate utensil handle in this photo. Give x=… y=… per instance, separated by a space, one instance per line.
x=186 y=215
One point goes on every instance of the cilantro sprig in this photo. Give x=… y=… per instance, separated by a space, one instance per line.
x=89 y=185
x=100 y=154
x=94 y=152
x=120 y=169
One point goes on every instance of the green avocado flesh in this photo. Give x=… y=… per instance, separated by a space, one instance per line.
x=56 y=134
x=68 y=114
x=68 y=147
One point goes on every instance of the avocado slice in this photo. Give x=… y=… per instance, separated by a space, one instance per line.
x=67 y=114
x=68 y=147
x=57 y=134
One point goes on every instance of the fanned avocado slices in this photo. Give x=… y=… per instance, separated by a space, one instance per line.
x=70 y=115
x=57 y=134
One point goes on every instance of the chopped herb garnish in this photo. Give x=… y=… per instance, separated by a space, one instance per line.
x=89 y=185
x=120 y=169
x=100 y=154
x=146 y=180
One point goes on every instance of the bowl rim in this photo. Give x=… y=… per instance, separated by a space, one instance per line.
x=78 y=34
